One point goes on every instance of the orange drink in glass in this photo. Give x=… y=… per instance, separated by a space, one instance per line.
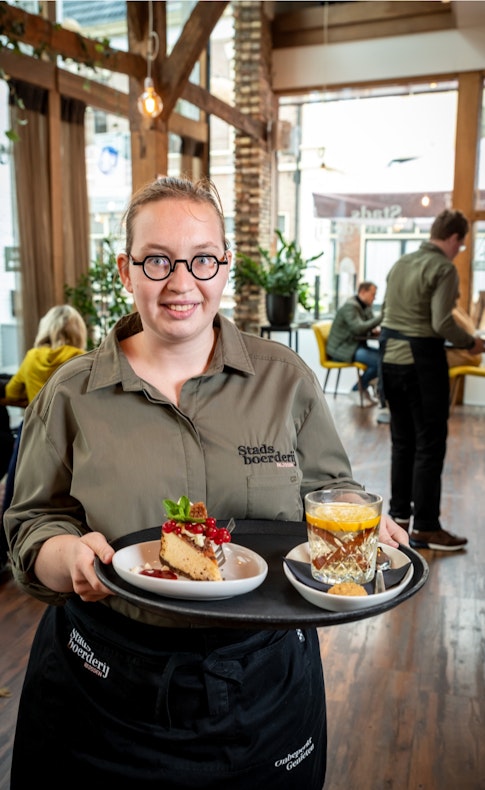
x=343 y=534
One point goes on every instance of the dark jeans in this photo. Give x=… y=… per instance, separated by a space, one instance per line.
x=9 y=450
x=369 y=357
x=419 y=429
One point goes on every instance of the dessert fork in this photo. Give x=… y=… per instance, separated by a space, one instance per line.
x=219 y=550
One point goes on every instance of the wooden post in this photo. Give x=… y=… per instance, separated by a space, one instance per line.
x=470 y=89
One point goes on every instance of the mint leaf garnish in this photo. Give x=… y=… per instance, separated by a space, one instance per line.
x=180 y=511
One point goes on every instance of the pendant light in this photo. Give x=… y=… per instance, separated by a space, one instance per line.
x=150 y=104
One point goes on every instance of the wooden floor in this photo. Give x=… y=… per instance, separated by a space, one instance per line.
x=405 y=689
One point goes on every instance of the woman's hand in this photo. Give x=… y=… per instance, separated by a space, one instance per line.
x=391 y=533
x=66 y=564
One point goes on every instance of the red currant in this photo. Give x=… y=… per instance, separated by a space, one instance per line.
x=210 y=522
x=223 y=536
x=211 y=532
x=195 y=529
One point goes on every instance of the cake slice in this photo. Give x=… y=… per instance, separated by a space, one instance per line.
x=186 y=544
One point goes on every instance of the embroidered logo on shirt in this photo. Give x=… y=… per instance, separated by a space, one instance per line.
x=295 y=758
x=266 y=454
x=81 y=648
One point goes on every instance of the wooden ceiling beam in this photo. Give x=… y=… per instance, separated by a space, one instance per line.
x=93 y=93
x=339 y=22
x=212 y=105
x=176 y=70
x=34 y=30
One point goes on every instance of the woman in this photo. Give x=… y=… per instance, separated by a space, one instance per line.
x=173 y=403
x=61 y=335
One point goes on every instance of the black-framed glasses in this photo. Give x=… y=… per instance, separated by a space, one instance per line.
x=159 y=267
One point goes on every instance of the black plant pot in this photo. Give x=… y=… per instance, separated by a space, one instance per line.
x=281 y=309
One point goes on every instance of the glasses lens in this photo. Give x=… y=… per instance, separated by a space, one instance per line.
x=157 y=267
x=204 y=267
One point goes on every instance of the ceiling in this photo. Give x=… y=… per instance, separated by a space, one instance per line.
x=303 y=23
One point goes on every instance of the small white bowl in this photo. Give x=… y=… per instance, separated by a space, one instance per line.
x=347 y=603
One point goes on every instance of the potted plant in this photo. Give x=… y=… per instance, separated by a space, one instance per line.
x=99 y=295
x=280 y=275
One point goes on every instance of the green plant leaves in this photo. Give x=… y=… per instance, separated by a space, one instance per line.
x=281 y=274
x=99 y=295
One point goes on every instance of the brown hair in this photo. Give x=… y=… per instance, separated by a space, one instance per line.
x=62 y=325
x=366 y=286
x=447 y=223
x=170 y=187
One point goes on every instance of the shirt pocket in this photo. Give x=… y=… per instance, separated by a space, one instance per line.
x=275 y=496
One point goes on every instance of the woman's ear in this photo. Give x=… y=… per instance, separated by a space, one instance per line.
x=123 y=264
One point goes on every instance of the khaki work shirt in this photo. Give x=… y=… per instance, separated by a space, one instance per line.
x=101 y=448
x=422 y=290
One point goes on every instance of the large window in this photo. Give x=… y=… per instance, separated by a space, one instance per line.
x=10 y=281
x=108 y=167
x=480 y=192
x=362 y=175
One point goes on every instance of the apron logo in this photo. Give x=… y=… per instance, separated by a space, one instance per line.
x=81 y=648
x=295 y=758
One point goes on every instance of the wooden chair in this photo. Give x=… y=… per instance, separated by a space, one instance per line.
x=322 y=331
x=458 y=374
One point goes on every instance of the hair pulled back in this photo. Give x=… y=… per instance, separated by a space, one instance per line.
x=172 y=188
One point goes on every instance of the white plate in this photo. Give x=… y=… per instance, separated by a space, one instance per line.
x=244 y=570
x=346 y=603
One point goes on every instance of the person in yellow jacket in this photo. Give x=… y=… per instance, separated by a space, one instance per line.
x=61 y=335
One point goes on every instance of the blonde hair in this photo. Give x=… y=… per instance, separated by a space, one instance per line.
x=172 y=188
x=62 y=325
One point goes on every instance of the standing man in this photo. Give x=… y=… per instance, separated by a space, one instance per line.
x=353 y=324
x=422 y=288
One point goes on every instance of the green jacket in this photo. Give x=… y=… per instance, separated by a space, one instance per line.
x=422 y=290
x=352 y=324
x=101 y=448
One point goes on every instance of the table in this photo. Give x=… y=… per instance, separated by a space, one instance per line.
x=291 y=329
x=275 y=605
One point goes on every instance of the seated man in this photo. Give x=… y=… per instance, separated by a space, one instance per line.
x=353 y=324
x=461 y=356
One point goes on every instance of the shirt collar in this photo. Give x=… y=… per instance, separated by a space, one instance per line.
x=428 y=246
x=110 y=366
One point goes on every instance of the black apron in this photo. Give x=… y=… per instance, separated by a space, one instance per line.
x=431 y=368
x=108 y=698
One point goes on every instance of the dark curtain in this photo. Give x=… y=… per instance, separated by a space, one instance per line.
x=34 y=205
x=74 y=191
x=31 y=156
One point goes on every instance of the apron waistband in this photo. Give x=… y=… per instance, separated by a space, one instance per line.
x=131 y=634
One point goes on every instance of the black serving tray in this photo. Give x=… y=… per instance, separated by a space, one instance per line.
x=272 y=606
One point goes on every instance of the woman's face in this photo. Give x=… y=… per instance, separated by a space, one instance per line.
x=179 y=307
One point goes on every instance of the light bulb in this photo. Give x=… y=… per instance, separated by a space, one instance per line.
x=150 y=104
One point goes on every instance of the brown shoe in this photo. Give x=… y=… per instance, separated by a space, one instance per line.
x=439 y=540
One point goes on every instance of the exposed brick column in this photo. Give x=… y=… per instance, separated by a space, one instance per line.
x=253 y=159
